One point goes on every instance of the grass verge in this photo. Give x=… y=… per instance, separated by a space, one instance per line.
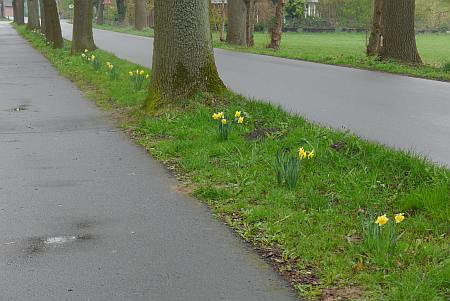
x=343 y=49
x=316 y=234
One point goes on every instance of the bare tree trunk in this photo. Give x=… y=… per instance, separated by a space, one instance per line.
x=398 y=33
x=222 y=28
x=250 y=22
x=52 y=25
x=277 y=29
x=2 y=9
x=82 y=26
x=99 y=19
x=241 y=16
x=121 y=10
x=14 y=10
x=42 y=14
x=375 y=35
x=183 y=57
x=33 y=15
x=140 y=14
x=19 y=12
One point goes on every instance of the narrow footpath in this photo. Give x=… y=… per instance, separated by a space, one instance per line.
x=85 y=214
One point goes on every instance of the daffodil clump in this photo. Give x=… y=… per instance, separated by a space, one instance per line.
x=287 y=166
x=381 y=237
x=225 y=124
x=112 y=71
x=91 y=59
x=138 y=78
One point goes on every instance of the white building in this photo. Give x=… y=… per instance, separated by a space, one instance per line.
x=311 y=9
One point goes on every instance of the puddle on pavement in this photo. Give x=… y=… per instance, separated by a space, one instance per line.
x=19 y=108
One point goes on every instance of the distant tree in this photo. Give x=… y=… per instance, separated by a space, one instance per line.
x=100 y=8
x=183 y=57
x=140 y=15
x=42 y=14
x=52 y=25
x=295 y=8
x=393 y=33
x=33 y=14
x=241 y=22
x=277 y=29
x=398 y=32
x=82 y=26
x=121 y=10
x=19 y=14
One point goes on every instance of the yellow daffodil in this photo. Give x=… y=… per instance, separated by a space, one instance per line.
x=108 y=63
x=83 y=55
x=382 y=220
x=399 y=217
x=93 y=57
x=130 y=73
x=302 y=153
x=237 y=114
x=147 y=76
x=111 y=66
x=311 y=154
x=224 y=121
x=85 y=50
x=241 y=120
x=141 y=72
x=137 y=71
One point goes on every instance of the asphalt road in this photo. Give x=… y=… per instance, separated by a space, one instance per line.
x=400 y=111
x=85 y=214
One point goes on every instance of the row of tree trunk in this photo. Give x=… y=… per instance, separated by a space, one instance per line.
x=183 y=57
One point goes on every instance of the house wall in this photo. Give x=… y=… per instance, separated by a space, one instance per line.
x=9 y=11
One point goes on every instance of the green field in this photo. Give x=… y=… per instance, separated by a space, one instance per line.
x=316 y=234
x=347 y=49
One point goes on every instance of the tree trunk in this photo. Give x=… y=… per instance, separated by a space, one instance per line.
x=33 y=14
x=52 y=25
x=13 y=2
x=140 y=14
x=277 y=29
x=121 y=10
x=2 y=9
x=19 y=12
x=241 y=15
x=398 y=38
x=42 y=14
x=375 y=35
x=100 y=9
x=250 y=22
x=222 y=28
x=183 y=57
x=82 y=26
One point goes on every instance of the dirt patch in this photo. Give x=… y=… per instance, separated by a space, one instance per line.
x=261 y=133
x=345 y=293
x=339 y=146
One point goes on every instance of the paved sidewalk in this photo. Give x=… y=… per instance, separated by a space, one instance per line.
x=400 y=111
x=85 y=214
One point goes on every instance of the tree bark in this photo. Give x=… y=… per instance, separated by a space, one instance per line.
x=82 y=26
x=52 y=25
x=375 y=34
x=99 y=19
x=140 y=14
x=222 y=28
x=183 y=57
x=33 y=15
x=19 y=12
x=42 y=14
x=241 y=22
x=121 y=10
x=2 y=9
x=277 y=29
x=398 y=37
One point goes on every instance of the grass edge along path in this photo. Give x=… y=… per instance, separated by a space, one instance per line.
x=321 y=235
x=346 y=60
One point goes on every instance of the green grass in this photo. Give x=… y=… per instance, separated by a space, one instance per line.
x=316 y=230
x=346 y=49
